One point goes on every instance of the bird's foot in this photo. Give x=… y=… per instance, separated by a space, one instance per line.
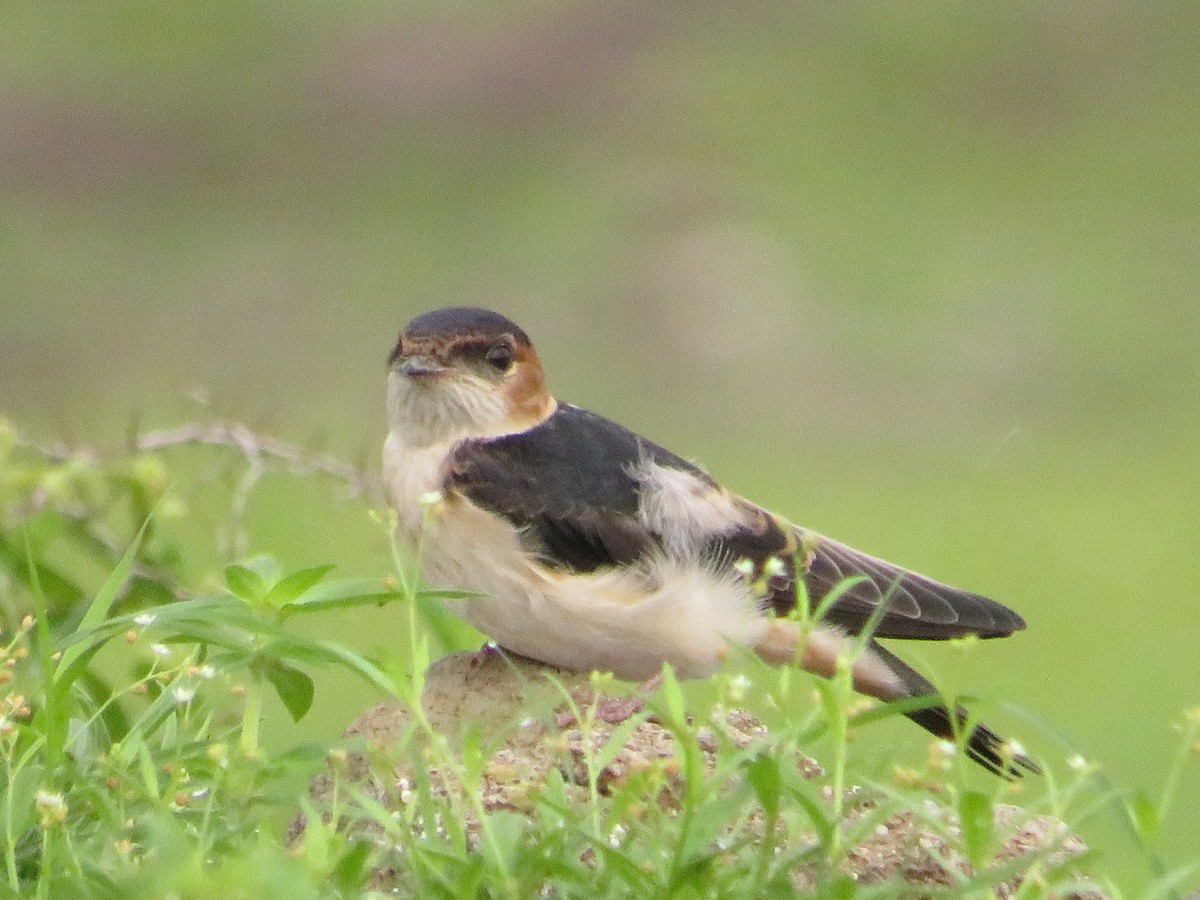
x=484 y=654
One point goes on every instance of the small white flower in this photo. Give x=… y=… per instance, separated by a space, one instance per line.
x=738 y=685
x=49 y=799
x=145 y=619
x=208 y=672
x=161 y=650
x=52 y=808
x=184 y=694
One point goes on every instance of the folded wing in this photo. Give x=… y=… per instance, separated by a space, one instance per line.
x=575 y=488
x=915 y=606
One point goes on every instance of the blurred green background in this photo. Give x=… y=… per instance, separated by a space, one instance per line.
x=921 y=276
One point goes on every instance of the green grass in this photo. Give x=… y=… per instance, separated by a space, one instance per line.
x=136 y=674
x=939 y=258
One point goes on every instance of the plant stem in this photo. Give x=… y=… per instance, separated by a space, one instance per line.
x=407 y=567
x=1191 y=731
x=251 y=718
x=10 y=842
x=47 y=863
x=838 y=727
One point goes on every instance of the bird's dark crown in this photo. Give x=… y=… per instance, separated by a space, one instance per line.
x=454 y=326
x=461 y=321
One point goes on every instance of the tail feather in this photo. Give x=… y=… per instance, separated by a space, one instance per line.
x=882 y=674
x=983 y=745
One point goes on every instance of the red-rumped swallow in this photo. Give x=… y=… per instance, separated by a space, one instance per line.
x=593 y=548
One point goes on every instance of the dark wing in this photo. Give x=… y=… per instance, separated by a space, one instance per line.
x=917 y=607
x=567 y=484
x=570 y=487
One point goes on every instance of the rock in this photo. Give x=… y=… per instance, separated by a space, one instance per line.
x=529 y=720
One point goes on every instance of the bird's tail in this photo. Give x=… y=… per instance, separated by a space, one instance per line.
x=983 y=745
x=882 y=674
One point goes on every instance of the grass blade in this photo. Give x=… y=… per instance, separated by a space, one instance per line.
x=98 y=609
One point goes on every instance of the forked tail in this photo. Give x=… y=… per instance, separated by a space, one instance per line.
x=882 y=674
x=983 y=745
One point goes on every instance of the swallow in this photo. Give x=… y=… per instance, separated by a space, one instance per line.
x=593 y=548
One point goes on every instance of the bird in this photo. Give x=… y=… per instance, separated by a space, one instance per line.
x=589 y=547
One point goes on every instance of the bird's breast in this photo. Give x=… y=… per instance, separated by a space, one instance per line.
x=412 y=476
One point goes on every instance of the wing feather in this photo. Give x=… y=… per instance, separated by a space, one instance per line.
x=568 y=486
x=917 y=606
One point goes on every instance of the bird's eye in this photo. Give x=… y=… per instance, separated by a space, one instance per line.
x=499 y=357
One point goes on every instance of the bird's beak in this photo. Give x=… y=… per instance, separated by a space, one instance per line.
x=421 y=366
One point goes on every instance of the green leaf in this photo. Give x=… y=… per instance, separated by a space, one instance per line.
x=841 y=887
x=473 y=757
x=620 y=865
x=507 y=828
x=59 y=590
x=617 y=740
x=157 y=715
x=97 y=611
x=97 y=694
x=695 y=874
x=317 y=837
x=245 y=583
x=18 y=795
x=225 y=622
x=763 y=774
x=147 y=769
x=552 y=802
x=673 y=698
x=821 y=823
x=1144 y=814
x=839 y=589
x=714 y=815
x=447 y=629
x=294 y=688
x=350 y=873
x=295 y=585
x=977 y=823
x=439 y=594
x=342 y=594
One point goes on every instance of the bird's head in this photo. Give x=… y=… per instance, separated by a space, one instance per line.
x=462 y=373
